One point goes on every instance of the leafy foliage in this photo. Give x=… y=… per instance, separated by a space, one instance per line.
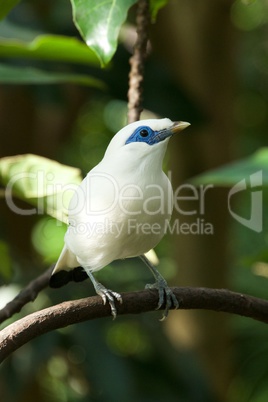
x=236 y=171
x=41 y=182
x=49 y=47
x=29 y=75
x=99 y=23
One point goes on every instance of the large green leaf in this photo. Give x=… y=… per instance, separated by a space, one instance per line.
x=49 y=47
x=6 y=6
x=232 y=173
x=99 y=22
x=29 y=75
x=43 y=183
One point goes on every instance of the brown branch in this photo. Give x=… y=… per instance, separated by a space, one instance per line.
x=29 y=293
x=71 y=312
x=137 y=62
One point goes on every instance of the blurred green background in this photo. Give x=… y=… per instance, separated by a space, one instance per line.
x=207 y=64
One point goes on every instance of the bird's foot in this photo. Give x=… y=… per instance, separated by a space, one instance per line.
x=165 y=295
x=105 y=294
x=110 y=296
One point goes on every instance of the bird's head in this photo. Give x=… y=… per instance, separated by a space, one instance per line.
x=144 y=135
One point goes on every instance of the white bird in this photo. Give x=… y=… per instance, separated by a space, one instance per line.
x=121 y=209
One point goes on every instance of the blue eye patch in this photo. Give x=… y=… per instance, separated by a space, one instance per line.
x=142 y=134
x=145 y=134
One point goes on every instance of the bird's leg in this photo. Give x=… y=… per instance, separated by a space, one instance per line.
x=106 y=294
x=165 y=293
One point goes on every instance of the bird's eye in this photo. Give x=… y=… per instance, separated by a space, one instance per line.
x=144 y=133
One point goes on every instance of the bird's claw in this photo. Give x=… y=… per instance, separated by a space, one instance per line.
x=165 y=296
x=111 y=296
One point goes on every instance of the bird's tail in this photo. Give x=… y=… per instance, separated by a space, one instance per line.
x=62 y=277
x=66 y=270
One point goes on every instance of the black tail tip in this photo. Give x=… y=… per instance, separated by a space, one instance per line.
x=60 y=279
x=63 y=277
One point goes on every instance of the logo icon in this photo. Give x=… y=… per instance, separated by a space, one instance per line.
x=254 y=222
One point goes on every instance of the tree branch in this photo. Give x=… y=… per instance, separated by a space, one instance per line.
x=71 y=312
x=137 y=62
x=29 y=293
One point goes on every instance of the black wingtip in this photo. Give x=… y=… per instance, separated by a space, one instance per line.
x=63 y=277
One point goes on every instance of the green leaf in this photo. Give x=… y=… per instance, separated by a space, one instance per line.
x=28 y=75
x=49 y=47
x=234 y=172
x=10 y=30
x=43 y=183
x=99 y=22
x=6 y=6
x=155 y=6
